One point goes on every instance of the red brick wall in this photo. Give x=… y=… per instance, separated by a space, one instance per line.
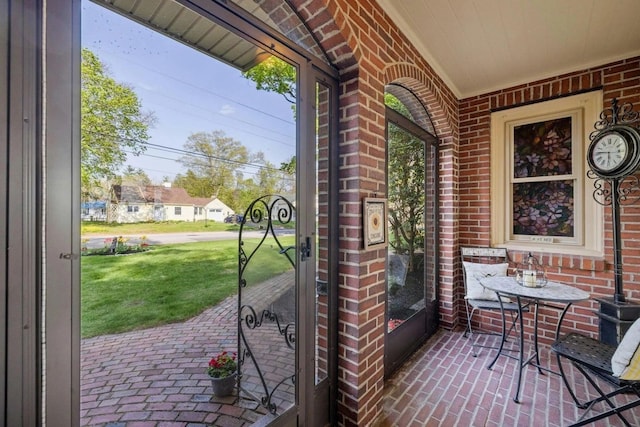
x=620 y=80
x=370 y=53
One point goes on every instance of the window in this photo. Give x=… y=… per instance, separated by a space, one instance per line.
x=131 y=209
x=177 y=210
x=541 y=198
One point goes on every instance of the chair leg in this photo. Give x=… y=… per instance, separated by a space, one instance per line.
x=604 y=397
x=469 y=330
x=566 y=383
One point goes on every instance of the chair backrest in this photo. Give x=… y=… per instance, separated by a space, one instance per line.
x=477 y=262
x=488 y=254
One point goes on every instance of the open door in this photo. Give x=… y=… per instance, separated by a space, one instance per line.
x=412 y=272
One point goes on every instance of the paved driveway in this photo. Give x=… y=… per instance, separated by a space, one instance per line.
x=99 y=241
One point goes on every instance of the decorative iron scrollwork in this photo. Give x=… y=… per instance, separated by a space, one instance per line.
x=264 y=213
x=628 y=190
x=618 y=186
x=616 y=115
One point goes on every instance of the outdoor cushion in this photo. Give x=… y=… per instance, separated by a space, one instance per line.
x=632 y=372
x=475 y=272
x=626 y=351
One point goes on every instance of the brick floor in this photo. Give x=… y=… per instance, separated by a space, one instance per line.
x=444 y=385
x=156 y=377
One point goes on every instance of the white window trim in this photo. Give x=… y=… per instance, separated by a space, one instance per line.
x=589 y=231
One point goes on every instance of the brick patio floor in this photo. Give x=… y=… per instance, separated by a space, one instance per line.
x=156 y=378
x=444 y=385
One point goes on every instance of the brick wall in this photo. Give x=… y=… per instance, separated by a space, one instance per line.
x=371 y=53
x=620 y=80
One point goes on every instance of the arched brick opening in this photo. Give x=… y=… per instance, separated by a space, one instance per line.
x=370 y=52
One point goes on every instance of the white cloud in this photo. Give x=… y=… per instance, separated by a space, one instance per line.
x=147 y=87
x=227 y=109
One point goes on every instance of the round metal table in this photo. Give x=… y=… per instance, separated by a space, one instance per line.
x=553 y=292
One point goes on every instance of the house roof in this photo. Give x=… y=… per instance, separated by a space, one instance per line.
x=156 y=194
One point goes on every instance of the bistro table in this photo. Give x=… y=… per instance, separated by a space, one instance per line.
x=552 y=292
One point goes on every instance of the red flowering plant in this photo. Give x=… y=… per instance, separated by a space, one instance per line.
x=222 y=365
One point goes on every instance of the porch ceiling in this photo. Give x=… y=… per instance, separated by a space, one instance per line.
x=478 y=46
x=173 y=19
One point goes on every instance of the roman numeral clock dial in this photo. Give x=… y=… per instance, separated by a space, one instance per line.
x=614 y=152
x=609 y=152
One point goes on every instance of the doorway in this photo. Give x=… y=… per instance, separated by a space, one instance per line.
x=313 y=234
x=412 y=258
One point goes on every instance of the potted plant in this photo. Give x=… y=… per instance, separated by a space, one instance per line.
x=223 y=369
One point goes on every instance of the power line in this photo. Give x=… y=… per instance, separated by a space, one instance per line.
x=249 y=173
x=182 y=151
x=201 y=89
x=227 y=117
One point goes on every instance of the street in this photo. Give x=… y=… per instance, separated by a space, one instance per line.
x=100 y=241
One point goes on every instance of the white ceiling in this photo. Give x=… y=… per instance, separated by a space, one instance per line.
x=478 y=46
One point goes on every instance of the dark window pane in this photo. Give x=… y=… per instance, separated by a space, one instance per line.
x=542 y=148
x=543 y=208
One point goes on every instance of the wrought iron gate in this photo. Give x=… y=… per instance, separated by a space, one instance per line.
x=267 y=303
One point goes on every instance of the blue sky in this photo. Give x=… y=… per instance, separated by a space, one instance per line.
x=187 y=91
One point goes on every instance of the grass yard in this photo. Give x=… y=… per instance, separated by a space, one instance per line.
x=170 y=283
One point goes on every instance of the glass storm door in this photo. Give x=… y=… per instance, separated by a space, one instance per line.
x=412 y=254
x=306 y=260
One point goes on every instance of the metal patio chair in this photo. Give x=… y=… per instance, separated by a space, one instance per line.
x=592 y=359
x=477 y=263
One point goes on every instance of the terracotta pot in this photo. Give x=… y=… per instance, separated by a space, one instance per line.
x=223 y=386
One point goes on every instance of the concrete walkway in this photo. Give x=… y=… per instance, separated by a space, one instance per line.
x=157 y=377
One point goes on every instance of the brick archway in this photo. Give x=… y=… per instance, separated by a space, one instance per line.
x=370 y=52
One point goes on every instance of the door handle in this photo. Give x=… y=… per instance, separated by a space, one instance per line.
x=305 y=249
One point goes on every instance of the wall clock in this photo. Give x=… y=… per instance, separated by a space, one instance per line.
x=614 y=152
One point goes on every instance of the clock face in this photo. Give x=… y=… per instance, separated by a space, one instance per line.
x=609 y=152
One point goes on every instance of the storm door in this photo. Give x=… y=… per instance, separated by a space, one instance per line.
x=291 y=315
x=299 y=206
x=412 y=260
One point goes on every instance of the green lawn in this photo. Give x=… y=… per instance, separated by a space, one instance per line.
x=170 y=283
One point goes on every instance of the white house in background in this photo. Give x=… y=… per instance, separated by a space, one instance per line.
x=214 y=209
x=162 y=203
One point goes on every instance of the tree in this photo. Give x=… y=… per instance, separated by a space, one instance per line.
x=112 y=122
x=196 y=186
x=406 y=175
x=215 y=164
x=289 y=167
x=132 y=176
x=274 y=75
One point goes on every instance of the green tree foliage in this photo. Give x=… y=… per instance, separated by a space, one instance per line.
x=196 y=186
x=217 y=168
x=406 y=176
x=133 y=176
x=215 y=165
x=274 y=75
x=289 y=167
x=112 y=122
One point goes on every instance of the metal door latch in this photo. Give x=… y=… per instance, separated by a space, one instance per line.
x=305 y=249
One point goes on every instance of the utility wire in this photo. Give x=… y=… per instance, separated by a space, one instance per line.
x=200 y=89
x=180 y=151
